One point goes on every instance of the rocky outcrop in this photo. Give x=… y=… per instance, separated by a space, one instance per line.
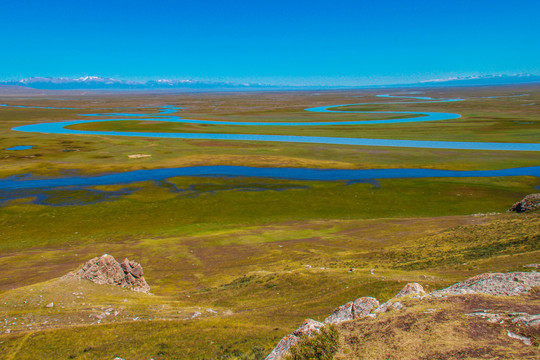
x=497 y=284
x=308 y=328
x=106 y=270
x=529 y=203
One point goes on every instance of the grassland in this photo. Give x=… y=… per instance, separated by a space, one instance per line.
x=240 y=258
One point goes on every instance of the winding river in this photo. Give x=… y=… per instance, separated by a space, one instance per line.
x=24 y=185
x=21 y=182
x=165 y=115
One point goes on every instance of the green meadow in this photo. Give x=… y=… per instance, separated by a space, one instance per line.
x=234 y=264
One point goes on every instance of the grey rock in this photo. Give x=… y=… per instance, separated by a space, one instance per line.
x=389 y=305
x=282 y=348
x=411 y=289
x=341 y=313
x=308 y=328
x=498 y=284
x=356 y=309
x=525 y=340
x=527 y=320
x=363 y=306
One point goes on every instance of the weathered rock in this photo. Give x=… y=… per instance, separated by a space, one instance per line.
x=534 y=266
x=527 y=320
x=528 y=203
x=356 y=309
x=498 y=284
x=131 y=267
x=387 y=306
x=525 y=340
x=363 y=306
x=282 y=348
x=106 y=270
x=411 y=289
x=341 y=313
x=308 y=328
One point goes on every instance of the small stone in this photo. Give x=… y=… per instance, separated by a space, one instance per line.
x=196 y=314
x=138 y=156
x=525 y=340
x=50 y=305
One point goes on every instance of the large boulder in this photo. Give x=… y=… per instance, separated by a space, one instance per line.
x=411 y=289
x=529 y=203
x=106 y=270
x=363 y=306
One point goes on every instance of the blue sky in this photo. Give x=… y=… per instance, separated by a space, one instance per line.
x=281 y=42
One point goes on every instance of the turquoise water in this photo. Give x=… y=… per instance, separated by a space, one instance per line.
x=165 y=115
x=52 y=191
x=20 y=147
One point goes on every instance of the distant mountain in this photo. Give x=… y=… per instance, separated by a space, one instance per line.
x=104 y=83
x=486 y=80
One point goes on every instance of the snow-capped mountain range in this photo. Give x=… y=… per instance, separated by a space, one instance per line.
x=97 y=82
x=485 y=80
x=107 y=83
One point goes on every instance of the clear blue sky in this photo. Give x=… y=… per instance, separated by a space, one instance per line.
x=273 y=41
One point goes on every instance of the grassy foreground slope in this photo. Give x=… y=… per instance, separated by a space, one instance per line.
x=249 y=297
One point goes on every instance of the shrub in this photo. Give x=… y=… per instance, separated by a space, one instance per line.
x=322 y=346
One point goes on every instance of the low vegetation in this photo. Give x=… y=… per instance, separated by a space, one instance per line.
x=234 y=264
x=322 y=346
